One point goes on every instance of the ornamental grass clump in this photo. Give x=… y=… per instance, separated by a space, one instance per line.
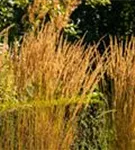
x=122 y=73
x=48 y=80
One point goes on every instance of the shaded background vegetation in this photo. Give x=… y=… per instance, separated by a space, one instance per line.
x=97 y=19
x=115 y=19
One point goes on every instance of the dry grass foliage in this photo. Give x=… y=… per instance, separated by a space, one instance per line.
x=122 y=71
x=42 y=89
x=33 y=128
x=40 y=85
x=55 y=67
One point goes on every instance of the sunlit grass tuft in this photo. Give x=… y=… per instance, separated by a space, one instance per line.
x=43 y=86
x=122 y=73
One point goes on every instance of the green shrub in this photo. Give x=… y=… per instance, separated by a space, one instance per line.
x=94 y=132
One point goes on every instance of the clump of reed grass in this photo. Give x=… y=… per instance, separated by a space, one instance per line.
x=49 y=80
x=52 y=67
x=122 y=72
x=34 y=126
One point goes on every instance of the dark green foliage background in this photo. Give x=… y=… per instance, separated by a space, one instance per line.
x=97 y=20
x=116 y=19
x=11 y=14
